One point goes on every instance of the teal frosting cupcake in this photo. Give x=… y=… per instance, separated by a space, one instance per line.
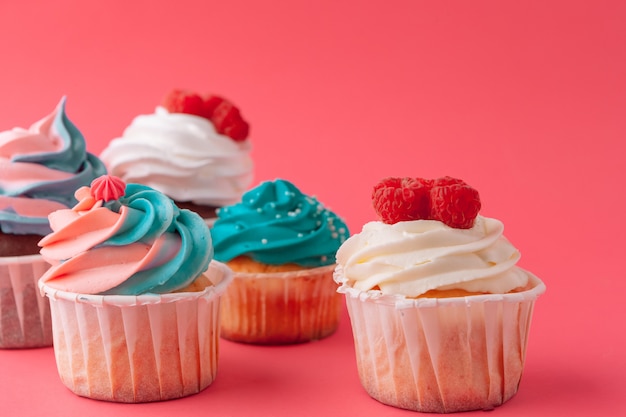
x=276 y=224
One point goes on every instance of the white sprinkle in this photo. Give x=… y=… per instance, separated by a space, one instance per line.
x=264 y=241
x=300 y=235
x=334 y=235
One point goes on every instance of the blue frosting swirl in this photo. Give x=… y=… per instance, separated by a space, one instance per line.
x=152 y=214
x=275 y=223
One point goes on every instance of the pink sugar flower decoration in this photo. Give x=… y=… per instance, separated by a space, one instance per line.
x=107 y=188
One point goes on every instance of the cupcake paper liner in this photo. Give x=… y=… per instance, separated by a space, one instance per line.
x=281 y=307
x=138 y=348
x=24 y=314
x=440 y=355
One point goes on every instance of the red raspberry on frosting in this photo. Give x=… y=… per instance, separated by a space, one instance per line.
x=210 y=104
x=182 y=101
x=454 y=202
x=446 y=199
x=228 y=121
x=223 y=114
x=401 y=199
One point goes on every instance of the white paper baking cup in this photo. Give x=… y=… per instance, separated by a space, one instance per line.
x=440 y=354
x=281 y=307
x=138 y=348
x=24 y=314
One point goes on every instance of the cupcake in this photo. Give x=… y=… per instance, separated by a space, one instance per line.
x=195 y=149
x=134 y=295
x=440 y=311
x=281 y=246
x=40 y=168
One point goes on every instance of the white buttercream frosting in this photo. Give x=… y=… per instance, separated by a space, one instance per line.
x=182 y=156
x=412 y=257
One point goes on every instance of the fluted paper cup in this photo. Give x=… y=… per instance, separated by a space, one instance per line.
x=281 y=307
x=440 y=355
x=141 y=348
x=24 y=314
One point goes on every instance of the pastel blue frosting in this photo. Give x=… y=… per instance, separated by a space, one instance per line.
x=275 y=223
x=152 y=214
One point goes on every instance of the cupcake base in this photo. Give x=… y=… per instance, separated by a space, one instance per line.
x=281 y=307
x=440 y=355
x=142 y=348
x=18 y=245
x=24 y=314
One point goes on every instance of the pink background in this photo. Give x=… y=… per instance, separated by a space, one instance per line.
x=524 y=100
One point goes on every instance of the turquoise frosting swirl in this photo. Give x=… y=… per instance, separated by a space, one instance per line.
x=150 y=215
x=275 y=223
x=71 y=157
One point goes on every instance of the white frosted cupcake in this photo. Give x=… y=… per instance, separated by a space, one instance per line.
x=194 y=149
x=134 y=295
x=439 y=310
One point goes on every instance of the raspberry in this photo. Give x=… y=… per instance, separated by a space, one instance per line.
x=223 y=114
x=210 y=104
x=401 y=199
x=454 y=203
x=445 y=199
x=182 y=101
x=228 y=121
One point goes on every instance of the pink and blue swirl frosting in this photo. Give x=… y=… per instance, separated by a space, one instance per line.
x=275 y=223
x=139 y=243
x=40 y=168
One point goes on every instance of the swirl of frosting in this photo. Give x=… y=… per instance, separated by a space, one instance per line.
x=275 y=224
x=141 y=243
x=412 y=257
x=182 y=156
x=40 y=168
